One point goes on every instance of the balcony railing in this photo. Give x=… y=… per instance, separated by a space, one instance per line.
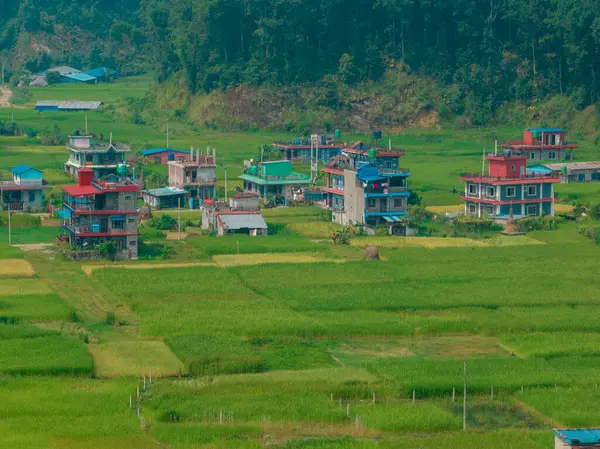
x=532 y=176
x=384 y=210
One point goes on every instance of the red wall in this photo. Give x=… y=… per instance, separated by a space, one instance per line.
x=502 y=166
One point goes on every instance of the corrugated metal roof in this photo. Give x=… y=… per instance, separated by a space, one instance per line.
x=579 y=437
x=162 y=150
x=23 y=168
x=546 y=130
x=48 y=103
x=592 y=165
x=165 y=191
x=245 y=221
x=63 y=70
x=100 y=71
x=75 y=104
x=80 y=77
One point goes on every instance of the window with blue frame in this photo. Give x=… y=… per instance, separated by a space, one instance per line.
x=118 y=223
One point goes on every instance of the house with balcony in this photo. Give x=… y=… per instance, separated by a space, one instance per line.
x=97 y=211
x=102 y=158
x=197 y=175
x=275 y=180
x=506 y=186
x=25 y=192
x=542 y=144
x=367 y=186
x=299 y=150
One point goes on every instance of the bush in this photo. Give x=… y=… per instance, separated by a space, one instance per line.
x=543 y=223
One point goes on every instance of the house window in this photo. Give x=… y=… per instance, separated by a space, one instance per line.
x=532 y=156
x=490 y=191
x=118 y=224
x=472 y=189
x=512 y=167
x=531 y=190
x=371 y=202
x=132 y=243
x=131 y=221
x=397 y=202
x=511 y=192
x=552 y=155
x=128 y=198
x=472 y=209
x=532 y=209
x=31 y=196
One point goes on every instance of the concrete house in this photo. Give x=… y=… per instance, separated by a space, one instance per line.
x=25 y=192
x=274 y=180
x=197 y=175
x=570 y=172
x=367 y=186
x=508 y=185
x=95 y=212
x=165 y=198
x=299 y=150
x=576 y=438
x=103 y=158
x=165 y=155
x=542 y=144
x=241 y=216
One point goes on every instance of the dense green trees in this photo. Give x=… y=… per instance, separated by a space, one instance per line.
x=487 y=51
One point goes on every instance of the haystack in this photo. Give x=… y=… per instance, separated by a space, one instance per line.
x=512 y=228
x=372 y=253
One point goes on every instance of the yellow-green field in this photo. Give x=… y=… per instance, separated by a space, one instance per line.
x=15 y=268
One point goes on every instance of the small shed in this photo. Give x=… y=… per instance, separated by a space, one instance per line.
x=576 y=438
x=80 y=78
x=240 y=222
x=40 y=81
x=165 y=155
x=102 y=73
x=164 y=198
x=574 y=172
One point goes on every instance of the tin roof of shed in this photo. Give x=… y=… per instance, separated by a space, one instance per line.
x=579 y=437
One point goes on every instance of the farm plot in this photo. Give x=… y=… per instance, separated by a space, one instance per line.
x=261 y=259
x=15 y=268
x=35 y=307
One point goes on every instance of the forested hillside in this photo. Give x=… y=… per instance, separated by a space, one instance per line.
x=478 y=53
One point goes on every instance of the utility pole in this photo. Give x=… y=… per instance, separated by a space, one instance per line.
x=179 y=219
x=465 y=399
x=225 y=183
x=9 y=230
x=167 y=134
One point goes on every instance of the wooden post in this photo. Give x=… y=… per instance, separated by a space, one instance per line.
x=144 y=383
x=138 y=391
x=138 y=411
x=150 y=376
x=373 y=397
x=413 y=396
x=220 y=416
x=453 y=393
x=348 y=409
x=465 y=399
x=130 y=401
x=179 y=218
x=331 y=397
x=492 y=392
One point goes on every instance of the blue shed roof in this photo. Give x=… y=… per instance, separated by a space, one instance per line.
x=80 y=77
x=539 y=168
x=578 y=437
x=546 y=130
x=100 y=71
x=23 y=168
x=162 y=150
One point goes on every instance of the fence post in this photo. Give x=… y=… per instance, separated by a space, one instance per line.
x=413 y=396
x=331 y=397
x=221 y=416
x=373 y=397
x=138 y=391
x=348 y=409
x=492 y=392
x=130 y=401
x=453 y=393
x=144 y=383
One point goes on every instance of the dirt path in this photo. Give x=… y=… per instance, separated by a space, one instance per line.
x=6 y=95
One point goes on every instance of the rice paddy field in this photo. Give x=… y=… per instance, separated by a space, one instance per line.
x=286 y=341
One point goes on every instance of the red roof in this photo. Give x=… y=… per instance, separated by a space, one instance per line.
x=78 y=190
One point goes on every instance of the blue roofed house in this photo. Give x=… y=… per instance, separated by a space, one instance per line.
x=576 y=438
x=25 y=191
x=103 y=74
x=78 y=78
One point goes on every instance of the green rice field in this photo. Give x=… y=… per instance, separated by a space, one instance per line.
x=287 y=341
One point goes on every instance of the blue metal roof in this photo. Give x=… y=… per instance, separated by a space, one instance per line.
x=539 y=168
x=579 y=437
x=80 y=77
x=546 y=130
x=23 y=168
x=100 y=71
x=162 y=150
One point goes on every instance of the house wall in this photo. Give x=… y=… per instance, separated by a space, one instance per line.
x=245 y=203
x=354 y=198
x=28 y=178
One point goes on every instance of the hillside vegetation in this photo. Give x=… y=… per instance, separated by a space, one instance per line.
x=359 y=63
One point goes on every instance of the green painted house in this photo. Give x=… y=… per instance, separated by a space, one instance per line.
x=274 y=180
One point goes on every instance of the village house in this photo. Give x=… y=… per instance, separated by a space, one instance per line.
x=576 y=438
x=67 y=105
x=240 y=216
x=367 y=186
x=274 y=180
x=300 y=150
x=165 y=198
x=26 y=190
x=103 y=158
x=95 y=212
x=506 y=186
x=542 y=144
x=570 y=172
x=165 y=155
x=197 y=175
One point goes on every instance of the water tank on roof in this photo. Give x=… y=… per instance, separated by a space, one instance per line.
x=372 y=153
x=337 y=134
x=253 y=170
x=296 y=141
x=122 y=170
x=171 y=156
